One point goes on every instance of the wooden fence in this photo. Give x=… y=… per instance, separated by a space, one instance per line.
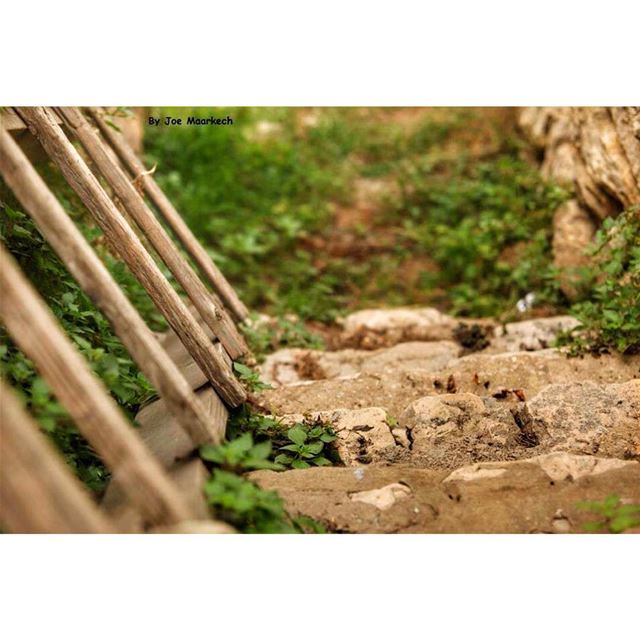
x=157 y=477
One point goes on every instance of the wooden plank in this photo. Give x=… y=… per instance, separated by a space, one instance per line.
x=107 y=163
x=189 y=476
x=11 y=121
x=96 y=281
x=173 y=218
x=38 y=493
x=183 y=360
x=162 y=434
x=123 y=239
x=37 y=333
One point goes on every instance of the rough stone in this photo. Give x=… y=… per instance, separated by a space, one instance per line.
x=375 y=328
x=584 y=417
x=291 y=366
x=507 y=374
x=594 y=149
x=383 y=498
x=458 y=429
x=573 y=231
x=522 y=499
x=452 y=430
x=529 y=335
x=558 y=466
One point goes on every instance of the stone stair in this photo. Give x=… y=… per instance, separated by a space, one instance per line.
x=418 y=416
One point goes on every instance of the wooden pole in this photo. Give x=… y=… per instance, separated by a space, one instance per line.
x=97 y=282
x=38 y=492
x=108 y=165
x=126 y=242
x=37 y=333
x=174 y=219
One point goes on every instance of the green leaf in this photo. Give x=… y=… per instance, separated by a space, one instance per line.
x=263 y=464
x=300 y=464
x=297 y=434
x=240 y=445
x=212 y=454
x=242 y=369
x=262 y=449
x=314 y=448
x=292 y=447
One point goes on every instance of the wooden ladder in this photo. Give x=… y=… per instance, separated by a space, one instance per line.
x=157 y=477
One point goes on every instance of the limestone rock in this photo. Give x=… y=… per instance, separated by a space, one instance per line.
x=482 y=374
x=530 y=335
x=383 y=498
x=374 y=328
x=452 y=430
x=587 y=418
x=573 y=232
x=522 y=499
x=627 y=123
x=558 y=466
x=604 y=155
x=291 y=366
x=594 y=149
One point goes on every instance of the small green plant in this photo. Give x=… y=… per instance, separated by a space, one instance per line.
x=613 y=516
x=302 y=445
x=237 y=500
x=245 y=506
x=250 y=377
x=306 y=446
x=609 y=312
x=241 y=454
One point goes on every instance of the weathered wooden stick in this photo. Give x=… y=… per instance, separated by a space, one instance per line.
x=38 y=493
x=132 y=252
x=134 y=204
x=174 y=219
x=76 y=253
x=37 y=333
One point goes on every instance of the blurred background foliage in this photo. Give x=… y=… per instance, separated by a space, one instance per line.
x=461 y=218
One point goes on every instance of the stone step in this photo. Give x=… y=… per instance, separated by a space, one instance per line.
x=377 y=328
x=451 y=430
x=535 y=495
x=509 y=375
x=291 y=366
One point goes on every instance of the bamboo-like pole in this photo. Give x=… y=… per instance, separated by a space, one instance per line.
x=38 y=492
x=37 y=333
x=122 y=237
x=107 y=163
x=85 y=266
x=174 y=219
